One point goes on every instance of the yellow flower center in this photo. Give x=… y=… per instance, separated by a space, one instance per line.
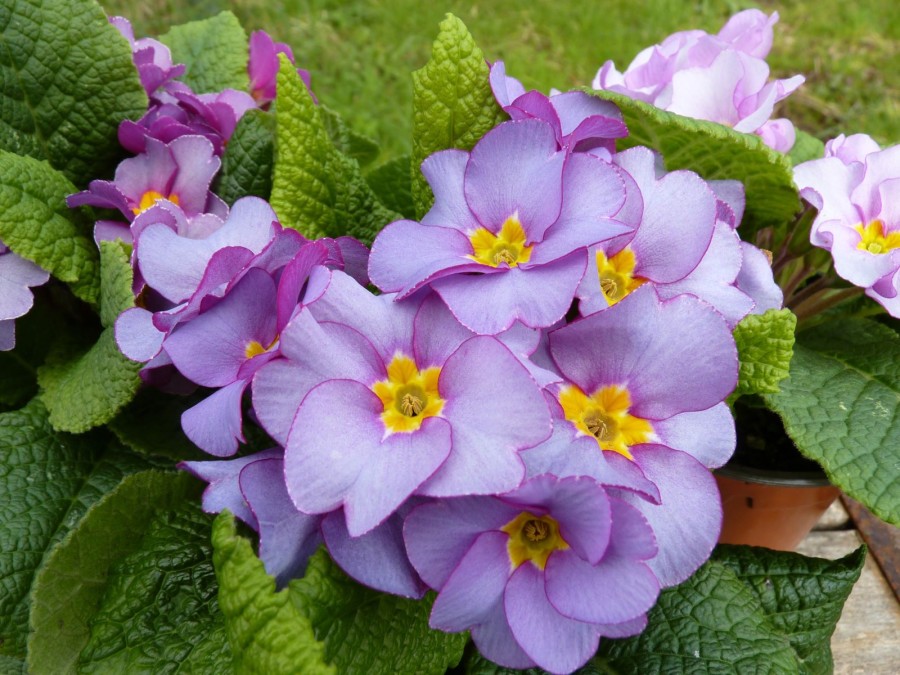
x=617 y=275
x=409 y=396
x=255 y=348
x=874 y=240
x=533 y=538
x=507 y=247
x=604 y=415
x=150 y=197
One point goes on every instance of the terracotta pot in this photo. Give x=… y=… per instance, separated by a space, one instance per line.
x=773 y=509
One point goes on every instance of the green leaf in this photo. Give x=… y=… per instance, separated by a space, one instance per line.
x=802 y=596
x=316 y=189
x=47 y=482
x=267 y=633
x=356 y=146
x=715 y=152
x=453 y=105
x=69 y=587
x=712 y=623
x=249 y=158
x=806 y=147
x=214 y=50
x=765 y=345
x=36 y=223
x=151 y=425
x=304 y=181
x=116 y=276
x=392 y=186
x=840 y=404
x=371 y=632
x=68 y=81
x=159 y=612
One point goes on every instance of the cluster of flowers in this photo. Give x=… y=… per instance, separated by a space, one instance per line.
x=727 y=70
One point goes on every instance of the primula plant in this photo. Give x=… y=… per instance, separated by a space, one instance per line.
x=269 y=406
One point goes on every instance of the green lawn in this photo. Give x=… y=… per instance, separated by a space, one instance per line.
x=361 y=52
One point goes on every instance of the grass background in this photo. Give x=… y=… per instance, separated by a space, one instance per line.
x=361 y=52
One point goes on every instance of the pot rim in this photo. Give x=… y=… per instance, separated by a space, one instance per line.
x=771 y=477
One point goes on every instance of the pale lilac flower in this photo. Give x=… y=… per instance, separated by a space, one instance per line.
x=539 y=574
x=723 y=78
x=511 y=223
x=17 y=277
x=398 y=409
x=856 y=188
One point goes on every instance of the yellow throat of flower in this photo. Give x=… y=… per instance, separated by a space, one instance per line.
x=874 y=240
x=617 y=275
x=533 y=538
x=149 y=198
x=604 y=416
x=507 y=247
x=408 y=395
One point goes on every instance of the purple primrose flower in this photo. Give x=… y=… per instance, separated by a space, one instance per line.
x=17 y=277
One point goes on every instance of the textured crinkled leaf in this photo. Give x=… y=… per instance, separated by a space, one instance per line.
x=356 y=146
x=36 y=223
x=85 y=389
x=802 y=596
x=248 y=159
x=69 y=587
x=304 y=182
x=268 y=635
x=316 y=189
x=12 y=666
x=214 y=50
x=453 y=105
x=712 y=623
x=715 y=152
x=47 y=482
x=840 y=407
x=765 y=345
x=151 y=425
x=806 y=147
x=116 y=276
x=159 y=612
x=392 y=186
x=358 y=213
x=371 y=632
x=67 y=82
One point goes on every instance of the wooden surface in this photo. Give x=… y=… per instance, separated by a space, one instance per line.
x=867 y=638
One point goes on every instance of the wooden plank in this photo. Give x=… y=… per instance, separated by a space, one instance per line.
x=867 y=638
x=882 y=539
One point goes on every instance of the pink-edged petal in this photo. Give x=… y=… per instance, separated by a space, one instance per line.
x=495 y=409
x=17 y=276
x=293 y=278
x=387 y=324
x=337 y=454
x=674 y=356
x=211 y=348
x=377 y=558
x=756 y=280
x=197 y=165
x=555 y=642
x=506 y=88
x=214 y=424
x=688 y=520
x=476 y=585
x=516 y=169
x=624 y=629
x=407 y=255
x=564 y=455
x=708 y=93
x=583 y=116
x=438 y=534
x=136 y=336
x=445 y=172
x=613 y=590
x=223 y=491
x=707 y=435
x=287 y=538
x=496 y=643
x=436 y=333
x=537 y=296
